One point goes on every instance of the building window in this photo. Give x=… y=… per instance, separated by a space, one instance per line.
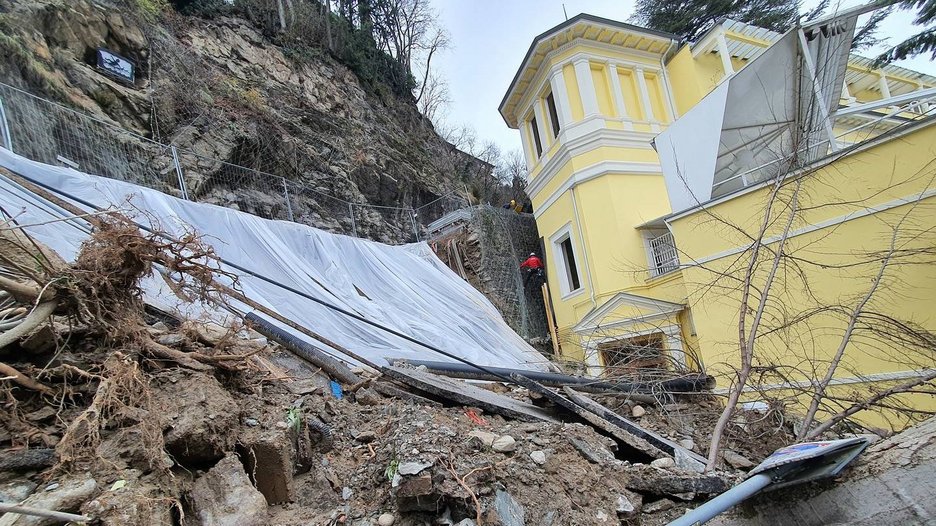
x=662 y=254
x=568 y=260
x=534 y=129
x=641 y=357
x=553 y=114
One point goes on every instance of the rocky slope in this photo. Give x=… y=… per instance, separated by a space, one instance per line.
x=219 y=90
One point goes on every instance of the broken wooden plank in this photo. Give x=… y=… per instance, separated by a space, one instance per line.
x=466 y=394
x=660 y=442
x=634 y=442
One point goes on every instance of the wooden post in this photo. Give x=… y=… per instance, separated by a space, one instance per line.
x=553 y=333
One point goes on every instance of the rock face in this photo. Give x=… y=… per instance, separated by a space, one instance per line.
x=221 y=92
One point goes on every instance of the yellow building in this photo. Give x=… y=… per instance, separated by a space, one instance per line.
x=659 y=170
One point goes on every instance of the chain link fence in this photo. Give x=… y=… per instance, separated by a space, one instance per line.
x=49 y=132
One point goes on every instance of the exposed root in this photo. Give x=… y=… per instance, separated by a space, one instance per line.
x=122 y=400
x=35 y=318
x=21 y=379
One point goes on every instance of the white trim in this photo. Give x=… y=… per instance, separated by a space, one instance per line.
x=820 y=225
x=850 y=380
x=722 y=42
x=591 y=172
x=583 y=137
x=562 y=271
x=591 y=320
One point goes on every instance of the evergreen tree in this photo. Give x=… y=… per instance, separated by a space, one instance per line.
x=922 y=42
x=690 y=18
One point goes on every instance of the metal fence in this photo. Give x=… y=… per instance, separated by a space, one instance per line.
x=49 y=132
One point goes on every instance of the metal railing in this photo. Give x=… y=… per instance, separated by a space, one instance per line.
x=46 y=131
x=663 y=255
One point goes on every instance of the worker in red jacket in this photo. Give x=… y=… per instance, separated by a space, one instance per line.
x=533 y=266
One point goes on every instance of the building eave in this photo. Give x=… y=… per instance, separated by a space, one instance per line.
x=542 y=38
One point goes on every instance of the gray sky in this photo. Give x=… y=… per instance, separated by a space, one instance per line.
x=490 y=38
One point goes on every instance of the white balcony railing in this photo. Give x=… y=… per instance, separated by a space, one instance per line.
x=663 y=255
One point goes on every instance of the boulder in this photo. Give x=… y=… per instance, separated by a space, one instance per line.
x=225 y=497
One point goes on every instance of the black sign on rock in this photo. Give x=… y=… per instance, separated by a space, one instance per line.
x=115 y=65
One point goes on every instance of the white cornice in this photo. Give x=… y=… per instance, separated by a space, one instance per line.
x=584 y=137
x=594 y=171
x=593 y=319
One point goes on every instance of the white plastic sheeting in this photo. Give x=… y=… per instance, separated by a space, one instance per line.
x=405 y=287
x=747 y=129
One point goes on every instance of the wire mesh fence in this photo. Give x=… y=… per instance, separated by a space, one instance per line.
x=48 y=132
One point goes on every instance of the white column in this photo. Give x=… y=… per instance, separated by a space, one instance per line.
x=541 y=125
x=846 y=94
x=561 y=97
x=644 y=94
x=586 y=87
x=722 y=43
x=618 y=94
x=882 y=84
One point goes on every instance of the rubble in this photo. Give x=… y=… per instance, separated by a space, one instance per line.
x=259 y=437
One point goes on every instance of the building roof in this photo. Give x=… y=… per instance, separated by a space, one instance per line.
x=746 y=41
x=582 y=26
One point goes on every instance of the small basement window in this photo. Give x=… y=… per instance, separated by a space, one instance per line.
x=553 y=114
x=534 y=130
x=639 y=357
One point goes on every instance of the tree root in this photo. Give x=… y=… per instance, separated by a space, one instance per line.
x=23 y=380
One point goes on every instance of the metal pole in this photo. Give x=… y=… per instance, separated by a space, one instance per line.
x=5 y=129
x=726 y=500
x=353 y=225
x=415 y=230
x=178 y=168
x=289 y=211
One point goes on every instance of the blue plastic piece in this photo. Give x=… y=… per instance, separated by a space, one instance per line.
x=336 y=390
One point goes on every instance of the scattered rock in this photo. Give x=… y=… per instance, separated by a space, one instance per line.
x=539 y=457
x=412 y=468
x=367 y=396
x=687 y=463
x=466 y=522
x=509 y=511
x=67 y=496
x=225 y=497
x=27 y=459
x=664 y=463
x=658 y=506
x=646 y=479
x=487 y=439
x=415 y=494
x=386 y=519
x=504 y=444
x=16 y=490
x=736 y=460
x=252 y=422
x=601 y=516
x=625 y=508
x=687 y=443
x=638 y=411
x=172 y=339
x=600 y=456
x=366 y=437
x=346 y=493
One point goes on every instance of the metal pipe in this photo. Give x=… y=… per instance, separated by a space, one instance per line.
x=690 y=383
x=5 y=129
x=726 y=500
